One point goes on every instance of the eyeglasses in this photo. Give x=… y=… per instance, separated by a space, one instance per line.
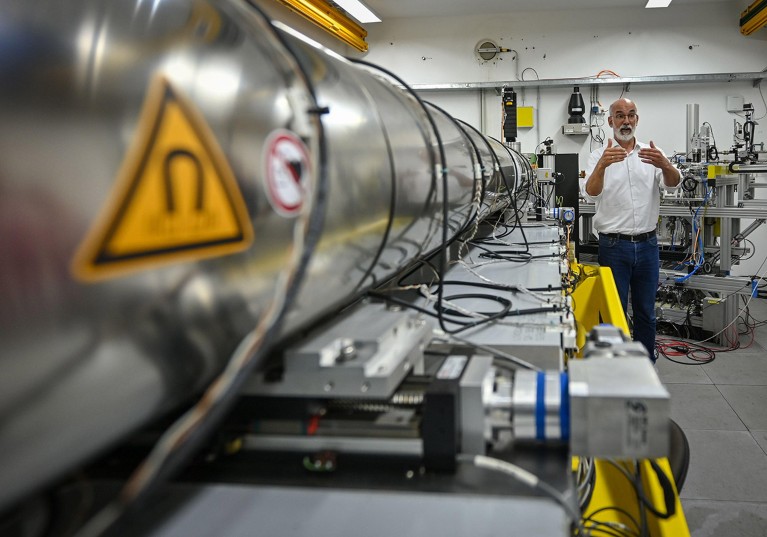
x=620 y=116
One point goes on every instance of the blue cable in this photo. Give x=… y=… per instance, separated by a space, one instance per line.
x=700 y=258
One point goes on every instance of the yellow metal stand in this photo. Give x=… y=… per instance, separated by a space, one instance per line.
x=596 y=301
x=614 y=498
x=612 y=489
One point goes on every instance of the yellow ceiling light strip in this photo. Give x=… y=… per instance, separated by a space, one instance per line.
x=754 y=17
x=331 y=20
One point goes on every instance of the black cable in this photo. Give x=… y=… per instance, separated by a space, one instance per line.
x=413 y=267
x=512 y=313
x=480 y=135
x=488 y=316
x=443 y=174
x=400 y=302
x=522 y=74
x=510 y=189
x=503 y=178
x=713 y=138
x=617 y=509
x=441 y=310
x=503 y=287
x=525 y=256
x=644 y=529
x=753 y=251
x=533 y=311
x=603 y=528
x=635 y=479
x=689 y=184
x=445 y=198
x=522 y=256
x=483 y=181
x=392 y=203
x=432 y=194
x=669 y=496
x=495 y=225
x=535 y=243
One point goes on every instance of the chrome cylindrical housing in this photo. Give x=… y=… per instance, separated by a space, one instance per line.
x=158 y=162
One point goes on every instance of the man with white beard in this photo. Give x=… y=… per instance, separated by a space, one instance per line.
x=624 y=181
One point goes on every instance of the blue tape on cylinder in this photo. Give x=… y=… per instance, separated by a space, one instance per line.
x=540 y=407
x=564 y=407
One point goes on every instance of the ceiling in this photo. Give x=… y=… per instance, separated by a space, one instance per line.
x=389 y=9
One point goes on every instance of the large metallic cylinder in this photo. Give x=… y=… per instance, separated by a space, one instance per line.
x=156 y=159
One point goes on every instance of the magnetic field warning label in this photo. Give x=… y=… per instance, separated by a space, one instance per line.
x=176 y=198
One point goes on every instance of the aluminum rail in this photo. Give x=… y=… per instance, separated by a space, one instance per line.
x=592 y=81
x=713 y=212
x=730 y=285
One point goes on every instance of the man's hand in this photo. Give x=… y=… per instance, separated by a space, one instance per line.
x=612 y=155
x=654 y=156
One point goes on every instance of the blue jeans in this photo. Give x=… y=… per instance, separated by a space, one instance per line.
x=635 y=267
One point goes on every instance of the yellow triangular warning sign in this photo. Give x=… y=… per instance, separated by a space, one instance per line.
x=175 y=197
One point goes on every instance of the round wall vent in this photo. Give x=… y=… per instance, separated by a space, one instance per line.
x=486 y=50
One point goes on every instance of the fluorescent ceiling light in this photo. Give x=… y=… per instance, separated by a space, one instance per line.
x=358 y=10
x=657 y=3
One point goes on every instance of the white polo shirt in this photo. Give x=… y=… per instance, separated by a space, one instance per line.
x=630 y=200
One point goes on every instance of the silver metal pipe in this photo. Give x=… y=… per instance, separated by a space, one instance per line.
x=154 y=160
x=693 y=128
x=750 y=168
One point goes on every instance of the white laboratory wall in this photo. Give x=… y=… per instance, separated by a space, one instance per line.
x=688 y=39
x=685 y=39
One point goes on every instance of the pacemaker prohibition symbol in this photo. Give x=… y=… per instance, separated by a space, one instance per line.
x=288 y=171
x=175 y=197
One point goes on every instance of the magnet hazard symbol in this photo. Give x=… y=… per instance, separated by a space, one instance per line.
x=175 y=197
x=287 y=171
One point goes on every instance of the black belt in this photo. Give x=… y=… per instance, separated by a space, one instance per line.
x=631 y=238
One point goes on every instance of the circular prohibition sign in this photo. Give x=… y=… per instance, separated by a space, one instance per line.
x=288 y=171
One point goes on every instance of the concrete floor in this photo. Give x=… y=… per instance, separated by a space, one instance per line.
x=722 y=408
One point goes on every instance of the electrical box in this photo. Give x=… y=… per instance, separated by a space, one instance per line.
x=509 y=100
x=619 y=392
x=576 y=128
x=525 y=116
x=734 y=103
x=544 y=175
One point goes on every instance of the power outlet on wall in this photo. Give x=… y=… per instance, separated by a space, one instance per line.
x=735 y=103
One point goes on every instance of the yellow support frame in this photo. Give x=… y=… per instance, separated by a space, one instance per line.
x=596 y=301
x=613 y=489
x=754 y=17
